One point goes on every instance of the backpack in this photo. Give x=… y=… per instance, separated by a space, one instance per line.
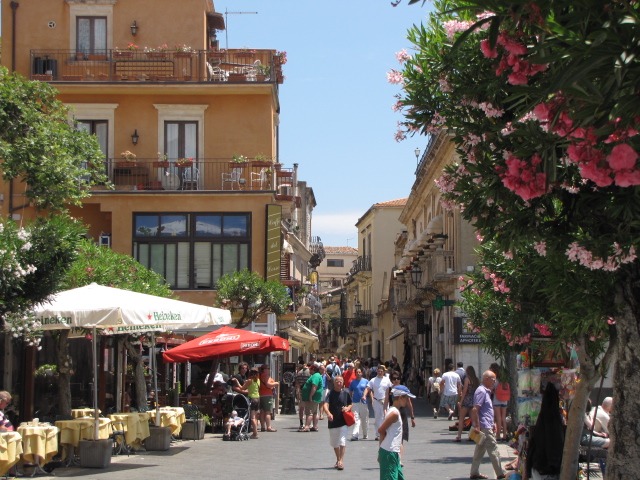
x=435 y=386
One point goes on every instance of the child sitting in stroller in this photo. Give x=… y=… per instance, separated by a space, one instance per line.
x=235 y=422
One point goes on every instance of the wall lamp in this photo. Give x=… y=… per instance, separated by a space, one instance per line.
x=417 y=152
x=135 y=137
x=134 y=28
x=416 y=275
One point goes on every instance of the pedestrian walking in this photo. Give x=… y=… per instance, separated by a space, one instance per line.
x=433 y=391
x=451 y=388
x=378 y=387
x=405 y=412
x=390 y=434
x=312 y=395
x=482 y=420
x=360 y=407
x=338 y=401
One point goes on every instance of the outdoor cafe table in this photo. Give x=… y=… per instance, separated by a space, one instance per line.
x=39 y=443
x=10 y=450
x=82 y=412
x=135 y=426
x=172 y=417
x=72 y=431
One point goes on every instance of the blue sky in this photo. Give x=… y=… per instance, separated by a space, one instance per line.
x=336 y=119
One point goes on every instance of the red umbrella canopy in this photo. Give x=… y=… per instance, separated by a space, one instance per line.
x=225 y=342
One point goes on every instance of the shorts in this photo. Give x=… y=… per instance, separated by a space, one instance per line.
x=310 y=407
x=499 y=403
x=338 y=436
x=254 y=404
x=390 y=466
x=266 y=403
x=449 y=400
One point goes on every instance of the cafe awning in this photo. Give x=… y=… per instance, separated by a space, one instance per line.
x=301 y=334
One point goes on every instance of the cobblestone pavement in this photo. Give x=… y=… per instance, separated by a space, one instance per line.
x=289 y=454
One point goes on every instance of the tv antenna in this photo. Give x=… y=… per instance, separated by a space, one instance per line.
x=226 y=24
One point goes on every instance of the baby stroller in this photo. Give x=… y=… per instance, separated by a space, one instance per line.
x=240 y=404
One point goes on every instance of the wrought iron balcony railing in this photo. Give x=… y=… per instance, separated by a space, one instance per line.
x=361 y=264
x=117 y=65
x=151 y=175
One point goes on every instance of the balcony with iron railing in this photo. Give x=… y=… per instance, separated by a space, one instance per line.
x=230 y=66
x=363 y=318
x=196 y=174
x=361 y=264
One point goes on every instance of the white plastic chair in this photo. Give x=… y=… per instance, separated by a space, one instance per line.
x=190 y=178
x=216 y=74
x=259 y=178
x=233 y=177
x=252 y=70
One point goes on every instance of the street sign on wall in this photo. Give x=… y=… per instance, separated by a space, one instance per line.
x=462 y=335
x=273 y=245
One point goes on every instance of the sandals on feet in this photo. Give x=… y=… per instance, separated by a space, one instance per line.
x=303 y=429
x=340 y=466
x=271 y=430
x=457 y=440
x=313 y=429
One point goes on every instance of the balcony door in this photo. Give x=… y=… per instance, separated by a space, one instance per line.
x=181 y=140
x=99 y=128
x=91 y=34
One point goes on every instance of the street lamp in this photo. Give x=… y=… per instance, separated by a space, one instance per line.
x=417 y=152
x=416 y=275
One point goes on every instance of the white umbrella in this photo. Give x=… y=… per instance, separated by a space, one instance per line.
x=115 y=311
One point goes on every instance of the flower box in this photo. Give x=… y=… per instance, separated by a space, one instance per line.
x=183 y=54
x=160 y=164
x=245 y=54
x=237 y=77
x=261 y=163
x=124 y=164
x=156 y=54
x=118 y=54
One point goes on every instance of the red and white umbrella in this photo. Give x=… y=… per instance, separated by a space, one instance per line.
x=225 y=342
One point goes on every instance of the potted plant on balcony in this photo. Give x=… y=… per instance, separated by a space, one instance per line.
x=129 y=159
x=157 y=52
x=184 y=162
x=261 y=160
x=126 y=52
x=239 y=160
x=162 y=161
x=280 y=58
x=262 y=72
x=184 y=51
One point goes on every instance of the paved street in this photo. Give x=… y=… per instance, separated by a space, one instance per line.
x=430 y=453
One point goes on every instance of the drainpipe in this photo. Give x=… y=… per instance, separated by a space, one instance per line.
x=14 y=7
x=294 y=192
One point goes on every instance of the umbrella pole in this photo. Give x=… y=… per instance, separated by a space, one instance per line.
x=153 y=361
x=95 y=383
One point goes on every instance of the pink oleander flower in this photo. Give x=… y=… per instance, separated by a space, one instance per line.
x=544 y=330
x=487 y=51
x=395 y=77
x=454 y=26
x=541 y=248
x=522 y=178
x=402 y=56
x=622 y=157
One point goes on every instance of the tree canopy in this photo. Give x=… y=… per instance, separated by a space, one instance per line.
x=248 y=293
x=541 y=101
x=41 y=149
